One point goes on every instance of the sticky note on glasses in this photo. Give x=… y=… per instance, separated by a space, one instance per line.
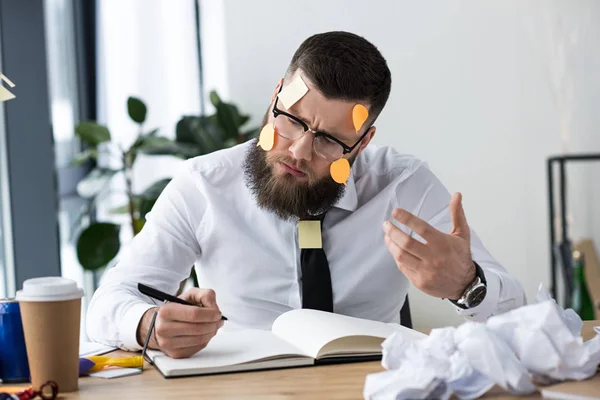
x=293 y=92
x=309 y=235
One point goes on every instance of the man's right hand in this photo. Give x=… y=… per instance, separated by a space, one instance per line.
x=181 y=331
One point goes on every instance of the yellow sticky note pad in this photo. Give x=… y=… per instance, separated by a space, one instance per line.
x=5 y=94
x=293 y=92
x=309 y=235
x=5 y=79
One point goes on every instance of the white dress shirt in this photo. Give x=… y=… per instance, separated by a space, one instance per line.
x=207 y=217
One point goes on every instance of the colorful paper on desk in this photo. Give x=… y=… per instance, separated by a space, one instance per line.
x=309 y=235
x=111 y=373
x=293 y=92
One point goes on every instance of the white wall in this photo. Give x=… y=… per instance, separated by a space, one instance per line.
x=470 y=95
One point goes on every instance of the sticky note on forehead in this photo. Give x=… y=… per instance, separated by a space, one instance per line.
x=293 y=92
x=359 y=116
x=309 y=235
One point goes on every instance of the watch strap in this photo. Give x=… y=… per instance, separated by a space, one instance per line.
x=478 y=274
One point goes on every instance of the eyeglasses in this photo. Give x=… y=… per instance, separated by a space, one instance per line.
x=326 y=146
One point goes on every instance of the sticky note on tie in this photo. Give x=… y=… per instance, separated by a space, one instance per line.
x=293 y=92
x=309 y=235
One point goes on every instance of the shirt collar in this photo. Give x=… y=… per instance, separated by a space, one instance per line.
x=349 y=201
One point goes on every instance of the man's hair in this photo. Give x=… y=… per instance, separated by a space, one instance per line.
x=345 y=66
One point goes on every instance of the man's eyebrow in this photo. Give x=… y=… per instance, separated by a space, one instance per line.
x=334 y=134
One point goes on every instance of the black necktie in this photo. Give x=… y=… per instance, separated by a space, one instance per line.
x=316 y=280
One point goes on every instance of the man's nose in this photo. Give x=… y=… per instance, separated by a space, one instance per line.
x=302 y=148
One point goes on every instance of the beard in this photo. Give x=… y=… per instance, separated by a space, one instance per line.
x=284 y=195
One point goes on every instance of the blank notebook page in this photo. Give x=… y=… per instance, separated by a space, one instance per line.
x=231 y=348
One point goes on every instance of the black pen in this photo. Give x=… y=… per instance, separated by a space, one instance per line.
x=162 y=296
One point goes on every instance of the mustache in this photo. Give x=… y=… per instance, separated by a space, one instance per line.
x=301 y=165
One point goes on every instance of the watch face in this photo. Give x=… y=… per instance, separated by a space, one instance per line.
x=476 y=296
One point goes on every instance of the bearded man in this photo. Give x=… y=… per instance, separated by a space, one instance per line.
x=310 y=215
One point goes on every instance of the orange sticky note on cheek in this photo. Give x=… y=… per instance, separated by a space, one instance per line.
x=266 y=140
x=359 y=116
x=340 y=170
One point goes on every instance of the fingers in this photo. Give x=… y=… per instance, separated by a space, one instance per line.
x=183 y=313
x=165 y=327
x=415 y=223
x=179 y=339
x=184 y=342
x=405 y=242
x=460 y=227
x=204 y=297
x=405 y=261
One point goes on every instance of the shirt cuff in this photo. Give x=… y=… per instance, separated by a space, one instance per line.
x=129 y=325
x=489 y=305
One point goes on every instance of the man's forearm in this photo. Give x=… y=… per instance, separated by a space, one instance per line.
x=144 y=326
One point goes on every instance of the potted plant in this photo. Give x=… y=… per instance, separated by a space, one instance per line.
x=99 y=242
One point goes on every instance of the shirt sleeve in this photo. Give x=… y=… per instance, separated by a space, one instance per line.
x=161 y=255
x=504 y=292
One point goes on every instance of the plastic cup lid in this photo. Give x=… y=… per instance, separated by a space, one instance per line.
x=52 y=288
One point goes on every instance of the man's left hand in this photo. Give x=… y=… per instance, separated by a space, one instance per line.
x=443 y=266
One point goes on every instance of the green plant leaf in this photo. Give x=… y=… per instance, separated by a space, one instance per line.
x=150 y=195
x=94 y=182
x=164 y=146
x=201 y=131
x=89 y=154
x=139 y=224
x=136 y=109
x=152 y=133
x=124 y=209
x=97 y=245
x=228 y=118
x=92 y=133
x=214 y=98
x=243 y=119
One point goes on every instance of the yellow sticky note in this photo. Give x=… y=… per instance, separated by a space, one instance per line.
x=293 y=92
x=5 y=94
x=5 y=79
x=266 y=140
x=309 y=235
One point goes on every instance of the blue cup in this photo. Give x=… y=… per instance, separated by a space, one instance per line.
x=14 y=367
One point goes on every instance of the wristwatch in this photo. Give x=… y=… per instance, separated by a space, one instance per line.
x=475 y=292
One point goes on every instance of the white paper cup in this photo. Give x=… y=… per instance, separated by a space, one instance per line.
x=51 y=314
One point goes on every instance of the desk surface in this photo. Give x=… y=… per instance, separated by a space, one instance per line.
x=327 y=382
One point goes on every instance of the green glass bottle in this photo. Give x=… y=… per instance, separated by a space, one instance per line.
x=581 y=300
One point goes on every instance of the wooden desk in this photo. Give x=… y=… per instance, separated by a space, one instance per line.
x=342 y=381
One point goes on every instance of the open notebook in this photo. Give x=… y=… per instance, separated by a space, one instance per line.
x=297 y=338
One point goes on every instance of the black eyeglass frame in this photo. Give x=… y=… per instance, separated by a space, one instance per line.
x=347 y=149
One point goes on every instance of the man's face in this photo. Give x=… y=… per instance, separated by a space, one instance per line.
x=292 y=179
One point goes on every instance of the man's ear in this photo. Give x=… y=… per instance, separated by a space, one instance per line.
x=276 y=90
x=366 y=139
